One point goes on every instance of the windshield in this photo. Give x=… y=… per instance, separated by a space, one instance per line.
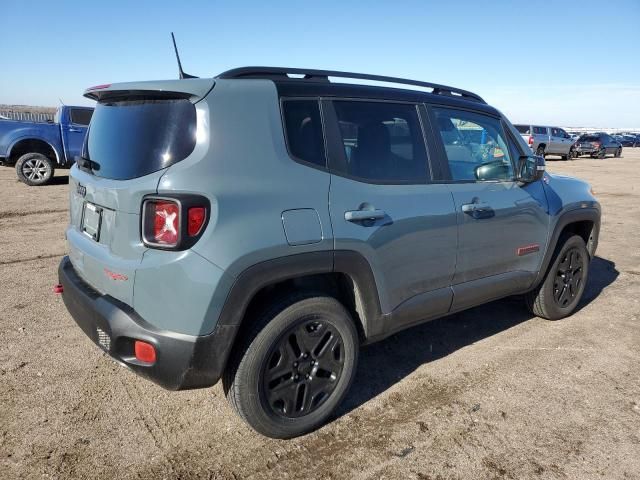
x=131 y=138
x=589 y=138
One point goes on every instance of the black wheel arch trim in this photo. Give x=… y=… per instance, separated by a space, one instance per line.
x=248 y=283
x=590 y=214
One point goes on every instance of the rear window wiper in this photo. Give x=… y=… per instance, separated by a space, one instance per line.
x=87 y=165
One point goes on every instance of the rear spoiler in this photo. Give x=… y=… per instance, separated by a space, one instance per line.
x=193 y=88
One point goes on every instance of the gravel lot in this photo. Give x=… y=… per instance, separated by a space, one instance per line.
x=489 y=393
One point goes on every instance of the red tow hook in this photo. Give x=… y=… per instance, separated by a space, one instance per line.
x=58 y=289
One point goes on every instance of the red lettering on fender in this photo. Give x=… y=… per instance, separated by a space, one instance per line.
x=534 y=247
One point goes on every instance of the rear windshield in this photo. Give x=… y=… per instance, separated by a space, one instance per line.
x=131 y=138
x=589 y=138
x=524 y=129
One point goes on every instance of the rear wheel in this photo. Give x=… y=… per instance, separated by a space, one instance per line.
x=618 y=152
x=295 y=368
x=602 y=153
x=540 y=151
x=34 y=169
x=563 y=286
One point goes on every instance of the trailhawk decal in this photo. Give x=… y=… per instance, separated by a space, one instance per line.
x=115 y=276
x=534 y=247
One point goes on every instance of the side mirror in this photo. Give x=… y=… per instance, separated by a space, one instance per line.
x=530 y=168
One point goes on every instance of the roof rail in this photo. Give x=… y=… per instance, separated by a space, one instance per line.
x=280 y=73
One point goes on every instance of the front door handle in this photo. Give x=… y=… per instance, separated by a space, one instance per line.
x=478 y=210
x=363 y=215
x=74 y=129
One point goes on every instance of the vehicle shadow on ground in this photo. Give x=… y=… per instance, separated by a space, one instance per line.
x=59 y=180
x=385 y=363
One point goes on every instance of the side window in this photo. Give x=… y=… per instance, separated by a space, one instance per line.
x=382 y=141
x=555 y=132
x=540 y=130
x=80 y=116
x=303 y=130
x=475 y=146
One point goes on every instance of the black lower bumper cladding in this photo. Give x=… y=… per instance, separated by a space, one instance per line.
x=183 y=361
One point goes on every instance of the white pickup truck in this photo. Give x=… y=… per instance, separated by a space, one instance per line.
x=548 y=140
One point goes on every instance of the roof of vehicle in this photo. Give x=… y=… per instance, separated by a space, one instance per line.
x=305 y=82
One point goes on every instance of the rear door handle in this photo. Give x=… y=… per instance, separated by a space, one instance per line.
x=75 y=130
x=362 y=215
x=478 y=210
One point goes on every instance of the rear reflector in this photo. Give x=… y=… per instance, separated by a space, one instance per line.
x=145 y=352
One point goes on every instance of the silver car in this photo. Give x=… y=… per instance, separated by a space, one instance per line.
x=548 y=140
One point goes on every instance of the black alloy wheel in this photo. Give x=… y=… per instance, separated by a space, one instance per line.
x=568 y=278
x=303 y=368
x=294 y=365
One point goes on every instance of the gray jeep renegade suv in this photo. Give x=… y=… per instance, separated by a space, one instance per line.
x=258 y=227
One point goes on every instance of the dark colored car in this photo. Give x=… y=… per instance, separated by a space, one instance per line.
x=629 y=140
x=598 y=145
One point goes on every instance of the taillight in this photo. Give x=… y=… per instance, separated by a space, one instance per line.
x=530 y=140
x=174 y=222
x=596 y=144
x=197 y=216
x=165 y=218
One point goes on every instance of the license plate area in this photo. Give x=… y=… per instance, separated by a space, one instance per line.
x=91 y=220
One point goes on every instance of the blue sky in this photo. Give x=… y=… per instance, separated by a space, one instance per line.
x=573 y=63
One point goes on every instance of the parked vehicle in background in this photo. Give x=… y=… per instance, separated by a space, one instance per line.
x=352 y=213
x=598 y=145
x=37 y=149
x=628 y=140
x=544 y=140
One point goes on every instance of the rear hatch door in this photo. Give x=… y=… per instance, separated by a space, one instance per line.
x=136 y=133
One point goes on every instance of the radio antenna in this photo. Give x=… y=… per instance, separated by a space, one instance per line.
x=182 y=74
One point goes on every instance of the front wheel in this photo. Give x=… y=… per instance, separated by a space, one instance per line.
x=296 y=367
x=618 y=152
x=564 y=284
x=34 y=169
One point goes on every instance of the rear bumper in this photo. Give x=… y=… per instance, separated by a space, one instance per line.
x=183 y=361
x=585 y=150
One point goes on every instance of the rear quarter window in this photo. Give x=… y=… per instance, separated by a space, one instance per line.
x=303 y=131
x=523 y=129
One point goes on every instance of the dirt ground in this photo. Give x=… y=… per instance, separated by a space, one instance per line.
x=489 y=393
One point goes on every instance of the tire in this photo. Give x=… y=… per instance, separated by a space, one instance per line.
x=540 y=151
x=618 y=152
x=563 y=285
x=270 y=380
x=34 y=169
x=602 y=153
